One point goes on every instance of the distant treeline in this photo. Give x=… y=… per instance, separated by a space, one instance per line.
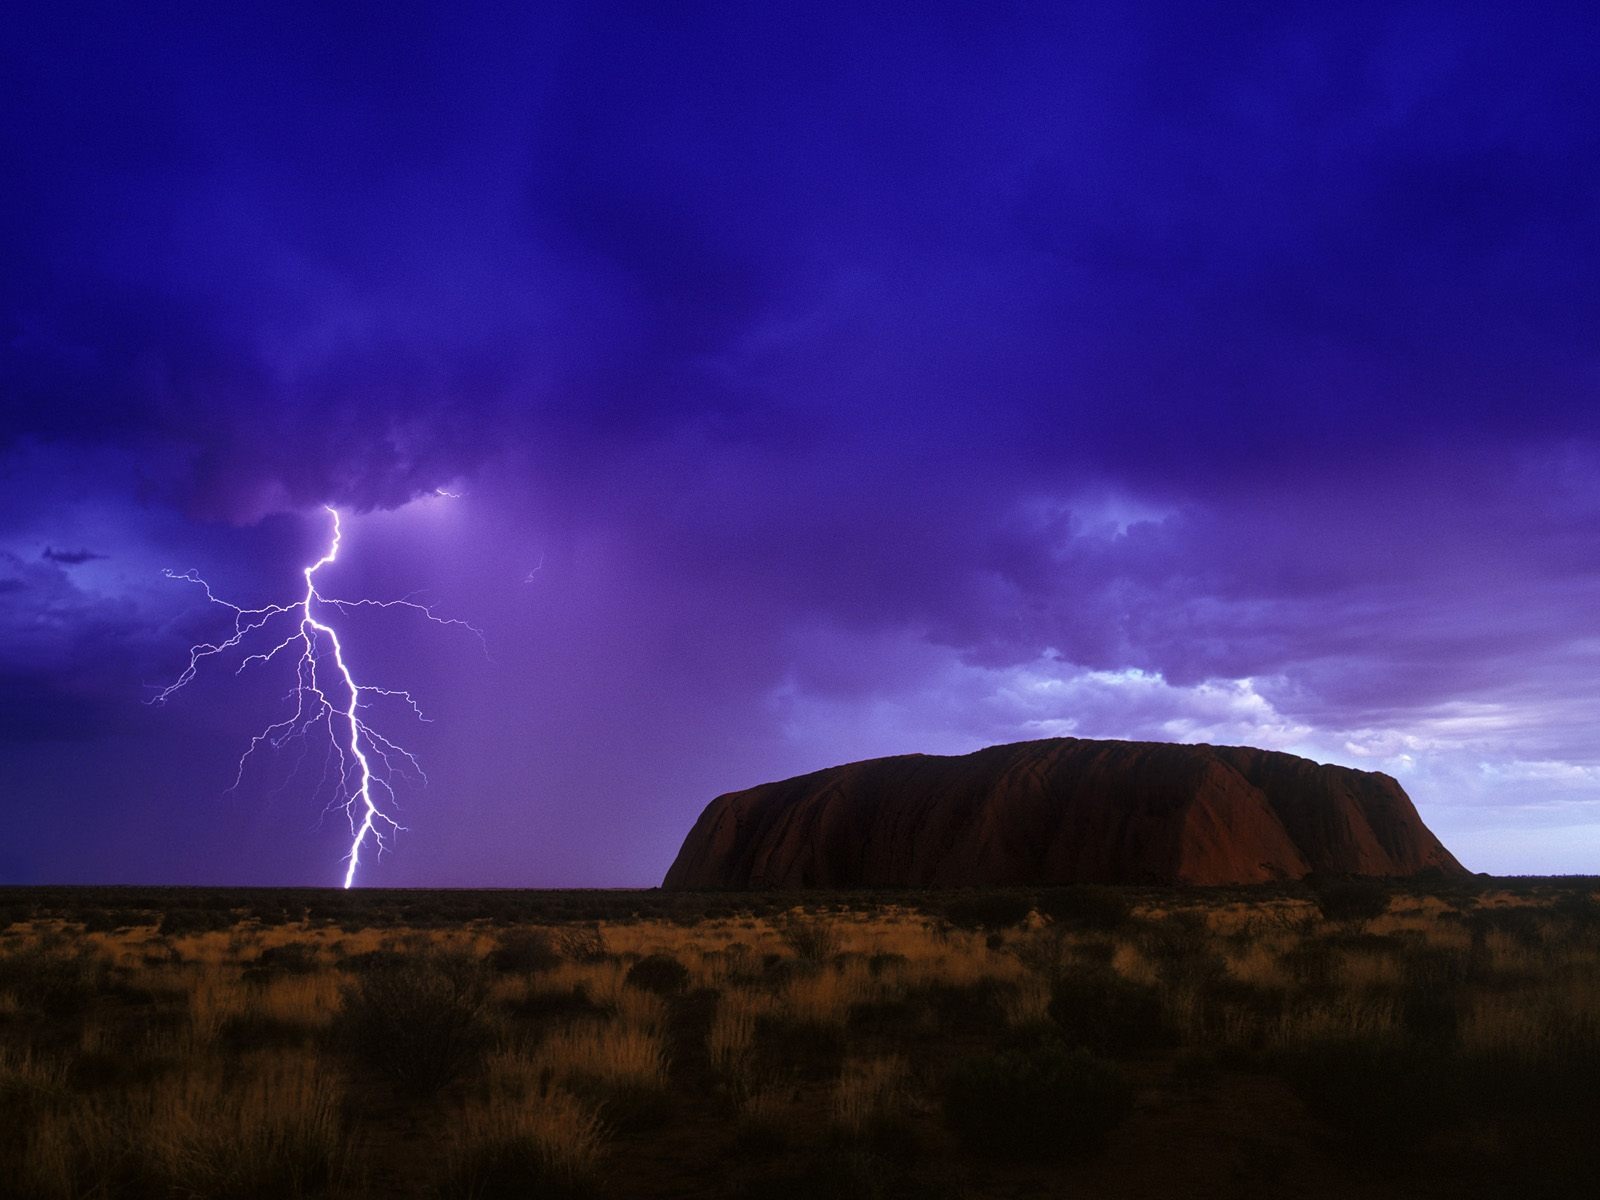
x=192 y=909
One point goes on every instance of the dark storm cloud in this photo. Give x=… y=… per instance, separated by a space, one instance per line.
x=1331 y=236
x=70 y=558
x=42 y=708
x=69 y=661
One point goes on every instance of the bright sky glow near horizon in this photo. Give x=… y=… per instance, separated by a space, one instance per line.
x=781 y=386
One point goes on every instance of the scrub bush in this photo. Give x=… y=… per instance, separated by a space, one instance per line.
x=419 y=1023
x=1103 y=1012
x=1086 y=906
x=658 y=973
x=1354 y=901
x=523 y=951
x=988 y=911
x=1050 y=1103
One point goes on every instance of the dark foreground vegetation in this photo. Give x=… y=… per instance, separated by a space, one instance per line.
x=1439 y=1038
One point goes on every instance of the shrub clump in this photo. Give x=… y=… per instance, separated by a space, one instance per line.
x=100 y=920
x=1106 y=1013
x=179 y=921
x=1086 y=906
x=890 y=1018
x=59 y=984
x=547 y=1147
x=808 y=1049
x=658 y=973
x=291 y=958
x=624 y=1106
x=509 y=1169
x=1581 y=909
x=1051 y=1103
x=813 y=941
x=1313 y=964
x=14 y=914
x=581 y=944
x=1353 y=901
x=988 y=911
x=883 y=961
x=1526 y=926
x=690 y=1017
x=1184 y=964
x=524 y=952
x=976 y=1007
x=369 y=961
x=419 y=1023
x=573 y=1003
x=1385 y=1094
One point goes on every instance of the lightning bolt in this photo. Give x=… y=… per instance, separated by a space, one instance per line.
x=363 y=761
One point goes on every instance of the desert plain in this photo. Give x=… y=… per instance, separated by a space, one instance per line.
x=1437 y=1037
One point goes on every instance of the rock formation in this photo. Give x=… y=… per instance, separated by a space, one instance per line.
x=1062 y=810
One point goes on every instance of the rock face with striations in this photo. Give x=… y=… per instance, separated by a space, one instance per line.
x=1062 y=810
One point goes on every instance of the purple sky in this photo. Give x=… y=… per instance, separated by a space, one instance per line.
x=816 y=386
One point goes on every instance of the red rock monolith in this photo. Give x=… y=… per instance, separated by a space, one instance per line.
x=1062 y=810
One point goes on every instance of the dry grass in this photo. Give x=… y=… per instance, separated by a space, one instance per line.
x=1260 y=963
x=734 y=1026
x=1534 y=1029
x=205 y=1131
x=825 y=997
x=869 y=1092
x=547 y=1142
x=216 y=996
x=210 y=1071
x=307 y=1001
x=612 y=1053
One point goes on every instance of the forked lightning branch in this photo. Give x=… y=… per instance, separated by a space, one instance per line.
x=327 y=700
